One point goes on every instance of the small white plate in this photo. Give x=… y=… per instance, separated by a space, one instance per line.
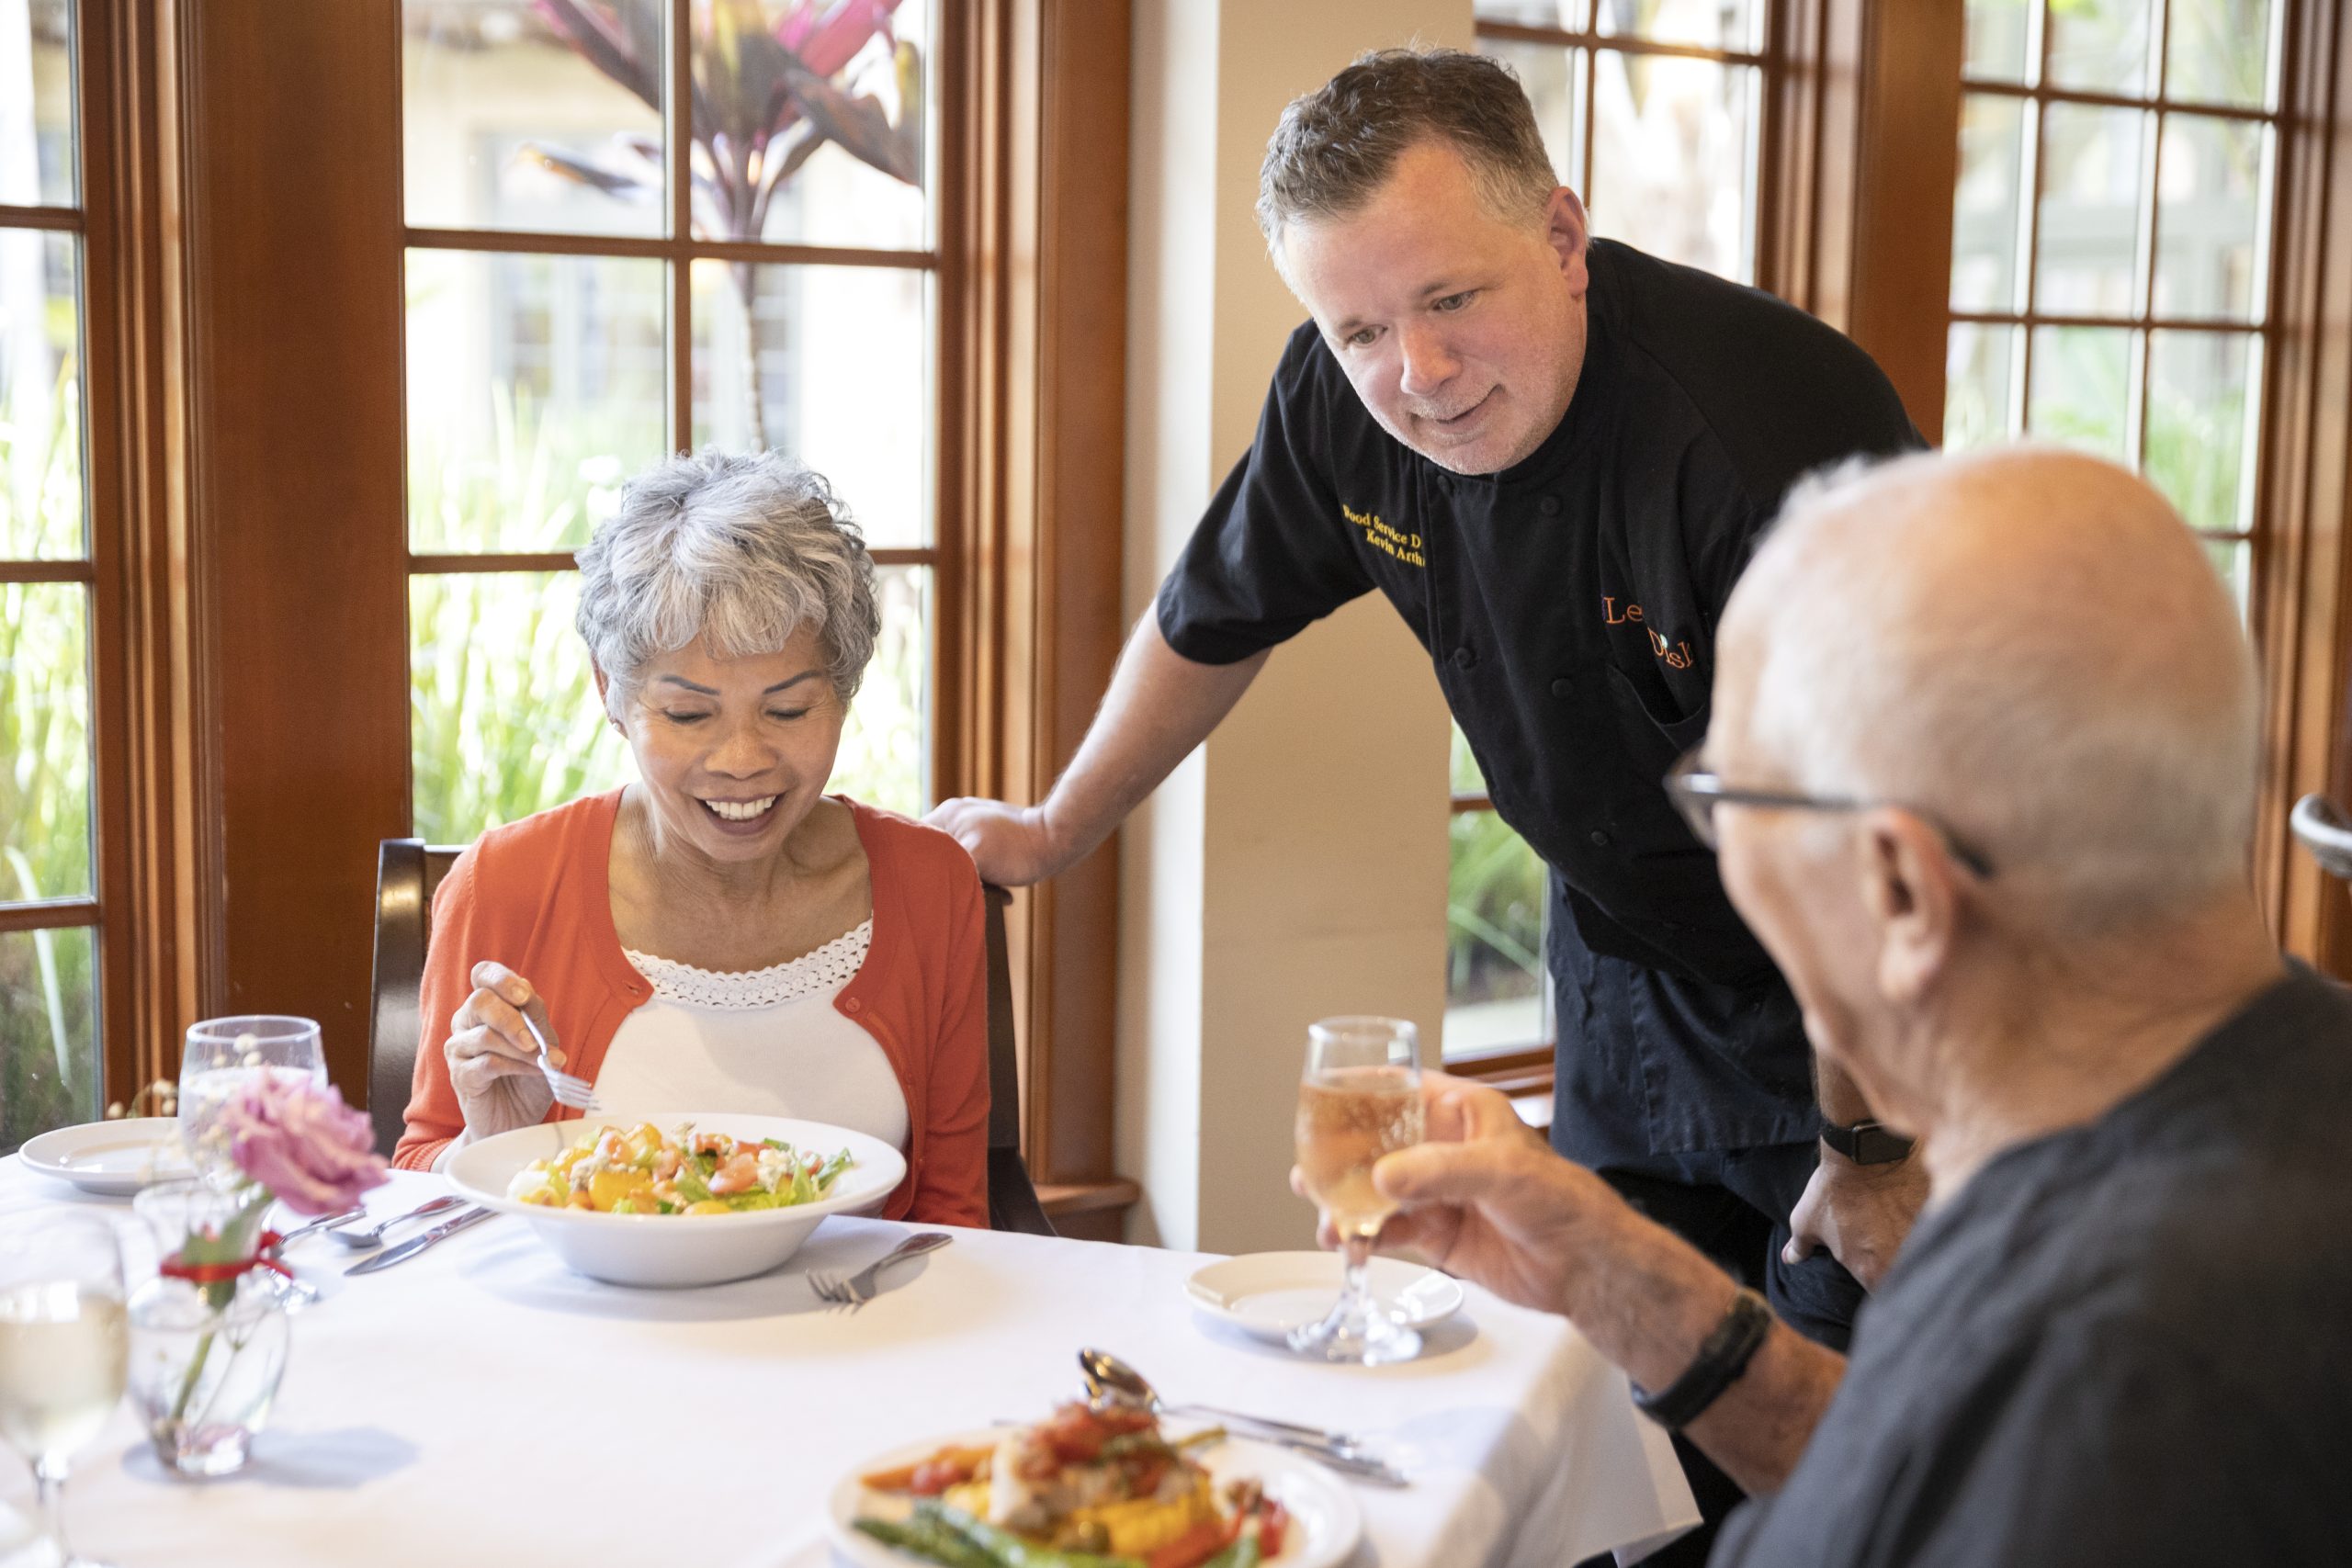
x=1325 y=1523
x=1270 y=1293
x=113 y=1160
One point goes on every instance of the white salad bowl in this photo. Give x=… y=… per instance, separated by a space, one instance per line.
x=671 y=1250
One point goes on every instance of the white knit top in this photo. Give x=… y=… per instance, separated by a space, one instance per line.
x=765 y=1041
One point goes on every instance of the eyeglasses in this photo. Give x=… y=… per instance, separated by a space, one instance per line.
x=1696 y=794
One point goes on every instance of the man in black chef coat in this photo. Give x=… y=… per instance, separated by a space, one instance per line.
x=1553 y=454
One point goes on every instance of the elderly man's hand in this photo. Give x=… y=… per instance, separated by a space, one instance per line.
x=1010 y=844
x=493 y=1060
x=1861 y=1212
x=1486 y=1199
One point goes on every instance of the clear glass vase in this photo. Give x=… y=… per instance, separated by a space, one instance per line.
x=206 y=1353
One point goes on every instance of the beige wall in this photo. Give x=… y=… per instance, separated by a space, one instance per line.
x=1294 y=866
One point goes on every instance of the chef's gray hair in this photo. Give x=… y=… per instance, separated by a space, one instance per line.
x=741 y=549
x=1336 y=146
x=2115 y=787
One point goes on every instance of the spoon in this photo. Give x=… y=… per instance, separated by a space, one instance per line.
x=373 y=1235
x=1110 y=1380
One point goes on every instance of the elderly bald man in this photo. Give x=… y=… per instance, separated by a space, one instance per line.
x=1981 y=772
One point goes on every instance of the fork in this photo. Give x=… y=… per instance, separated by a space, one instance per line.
x=569 y=1088
x=848 y=1292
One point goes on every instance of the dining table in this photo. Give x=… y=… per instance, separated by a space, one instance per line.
x=481 y=1403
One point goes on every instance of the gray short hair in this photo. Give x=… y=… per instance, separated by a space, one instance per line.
x=1337 y=145
x=741 y=550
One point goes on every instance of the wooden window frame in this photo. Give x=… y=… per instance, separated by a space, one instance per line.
x=255 y=311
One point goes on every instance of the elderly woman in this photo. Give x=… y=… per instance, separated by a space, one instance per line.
x=722 y=935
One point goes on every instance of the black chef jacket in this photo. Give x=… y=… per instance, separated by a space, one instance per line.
x=1570 y=605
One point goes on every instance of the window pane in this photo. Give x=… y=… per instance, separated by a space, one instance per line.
x=1673 y=168
x=1989 y=203
x=2199 y=430
x=541 y=117
x=2221 y=52
x=1494 y=916
x=844 y=367
x=1555 y=80
x=1980 y=397
x=45 y=739
x=536 y=384
x=2210 y=259
x=37 y=154
x=2099 y=46
x=885 y=747
x=1997 y=39
x=2087 y=236
x=41 y=398
x=503 y=711
x=50 y=1071
x=2082 y=388
x=1568 y=16
x=814 y=125
x=1711 y=23
x=2234 y=558
x=1467 y=777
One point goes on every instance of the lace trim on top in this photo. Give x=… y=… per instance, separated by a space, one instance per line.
x=823 y=971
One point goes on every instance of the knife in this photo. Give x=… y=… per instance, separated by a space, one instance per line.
x=415 y=1245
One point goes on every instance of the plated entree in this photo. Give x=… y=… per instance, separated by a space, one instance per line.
x=1085 y=1488
x=644 y=1170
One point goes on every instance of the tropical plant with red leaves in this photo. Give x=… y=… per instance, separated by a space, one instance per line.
x=766 y=99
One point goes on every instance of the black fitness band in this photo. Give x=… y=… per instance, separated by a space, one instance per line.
x=1720 y=1361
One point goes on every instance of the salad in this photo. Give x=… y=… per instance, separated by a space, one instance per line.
x=643 y=1170
x=1085 y=1488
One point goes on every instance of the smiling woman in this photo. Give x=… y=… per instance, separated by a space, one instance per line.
x=722 y=935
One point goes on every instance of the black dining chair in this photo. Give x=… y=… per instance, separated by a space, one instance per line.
x=407 y=871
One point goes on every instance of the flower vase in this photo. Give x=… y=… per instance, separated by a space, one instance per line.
x=209 y=1333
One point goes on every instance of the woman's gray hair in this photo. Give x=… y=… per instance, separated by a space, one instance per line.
x=741 y=549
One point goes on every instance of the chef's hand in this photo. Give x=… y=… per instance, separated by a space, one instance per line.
x=1860 y=1212
x=1486 y=1199
x=1012 y=845
x=493 y=1060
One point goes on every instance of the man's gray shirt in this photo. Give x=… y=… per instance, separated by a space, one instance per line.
x=2126 y=1343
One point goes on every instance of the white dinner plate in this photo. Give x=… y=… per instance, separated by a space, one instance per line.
x=671 y=1250
x=113 y=1160
x=1325 y=1523
x=1270 y=1293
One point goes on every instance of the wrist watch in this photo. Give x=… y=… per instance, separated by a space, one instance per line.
x=1720 y=1361
x=1866 y=1142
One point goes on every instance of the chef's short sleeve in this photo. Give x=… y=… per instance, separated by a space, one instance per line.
x=1272 y=552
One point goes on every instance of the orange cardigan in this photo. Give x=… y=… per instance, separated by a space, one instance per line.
x=537 y=896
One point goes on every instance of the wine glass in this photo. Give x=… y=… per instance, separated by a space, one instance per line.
x=65 y=1348
x=1359 y=1099
x=223 y=1056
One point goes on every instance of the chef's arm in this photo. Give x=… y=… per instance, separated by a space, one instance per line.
x=1159 y=707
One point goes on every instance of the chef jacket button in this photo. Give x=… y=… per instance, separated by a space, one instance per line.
x=1562 y=686
x=1464 y=657
x=1601 y=837
x=1549 y=506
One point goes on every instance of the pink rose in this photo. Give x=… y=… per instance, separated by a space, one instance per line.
x=301 y=1141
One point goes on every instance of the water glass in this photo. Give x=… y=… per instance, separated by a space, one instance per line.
x=223 y=1056
x=64 y=1349
x=1359 y=1099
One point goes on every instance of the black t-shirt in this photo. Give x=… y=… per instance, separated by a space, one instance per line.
x=2125 y=1343
x=1570 y=605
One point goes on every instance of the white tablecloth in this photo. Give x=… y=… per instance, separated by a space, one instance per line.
x=483 y=1405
